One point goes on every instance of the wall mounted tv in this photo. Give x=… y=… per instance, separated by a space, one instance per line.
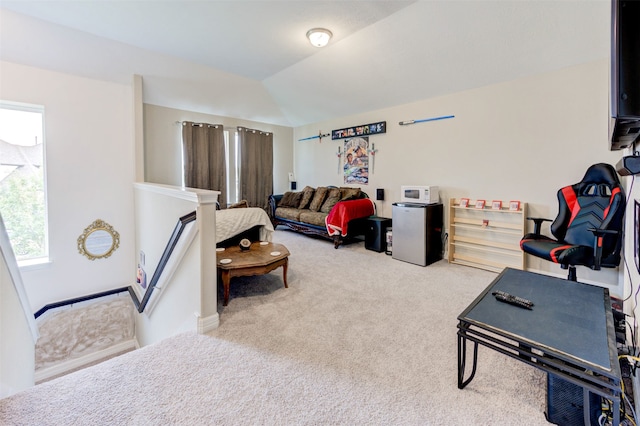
x=624 y=126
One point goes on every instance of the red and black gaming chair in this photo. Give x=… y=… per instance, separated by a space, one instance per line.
x=588 y=228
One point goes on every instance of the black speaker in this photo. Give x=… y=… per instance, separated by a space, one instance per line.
x=294 y=185
x=629 y=165
x=565 y=403
x=380 y=194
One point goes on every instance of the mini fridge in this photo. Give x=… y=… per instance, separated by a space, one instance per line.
x=417 y=232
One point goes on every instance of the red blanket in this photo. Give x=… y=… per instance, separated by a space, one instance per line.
x=338 y=219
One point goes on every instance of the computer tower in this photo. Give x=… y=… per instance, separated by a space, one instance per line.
x=565 y=403
x=375 y=234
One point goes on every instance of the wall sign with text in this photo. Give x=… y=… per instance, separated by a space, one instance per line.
x=364 y=130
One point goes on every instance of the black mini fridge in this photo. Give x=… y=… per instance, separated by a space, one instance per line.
x=375 y=235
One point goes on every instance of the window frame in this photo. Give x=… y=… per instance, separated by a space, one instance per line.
x=45 y=258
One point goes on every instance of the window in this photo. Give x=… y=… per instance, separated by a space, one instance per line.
x=233 y=167
x=22 y=180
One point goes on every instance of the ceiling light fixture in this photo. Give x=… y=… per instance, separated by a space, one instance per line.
x=319 y=37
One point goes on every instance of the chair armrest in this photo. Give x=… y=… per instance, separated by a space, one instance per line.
x=537 y=224
x=597 y=245
x=274 y=199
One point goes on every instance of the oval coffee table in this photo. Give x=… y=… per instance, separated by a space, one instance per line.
x=260 y=259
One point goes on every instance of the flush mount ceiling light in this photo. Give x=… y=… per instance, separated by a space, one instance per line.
x=319 y=37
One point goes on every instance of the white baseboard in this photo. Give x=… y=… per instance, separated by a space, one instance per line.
x=208 y=324
x=66 y=366
x=564 y=277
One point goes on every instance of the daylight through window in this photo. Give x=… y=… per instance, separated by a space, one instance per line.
x=22 y=179
x=233 y=166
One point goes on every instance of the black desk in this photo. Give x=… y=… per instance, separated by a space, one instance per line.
x=568 y=333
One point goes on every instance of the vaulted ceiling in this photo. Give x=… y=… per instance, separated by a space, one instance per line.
x=251 y=59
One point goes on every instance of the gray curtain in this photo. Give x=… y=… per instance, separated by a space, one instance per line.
x=204 y=158
x=256 y=166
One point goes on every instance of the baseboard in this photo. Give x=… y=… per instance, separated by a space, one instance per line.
x=208 y=324
x=67 y=366
x=564 y=277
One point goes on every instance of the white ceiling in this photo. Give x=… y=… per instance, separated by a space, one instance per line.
x=250 y=59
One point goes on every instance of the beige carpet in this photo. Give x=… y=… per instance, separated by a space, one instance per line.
x=358 y=338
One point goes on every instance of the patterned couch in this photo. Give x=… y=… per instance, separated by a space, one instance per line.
x=306 y=211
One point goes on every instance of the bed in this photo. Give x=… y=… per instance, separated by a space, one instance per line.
x=234 y=224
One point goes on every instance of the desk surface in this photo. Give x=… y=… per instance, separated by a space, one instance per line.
x=568 y=318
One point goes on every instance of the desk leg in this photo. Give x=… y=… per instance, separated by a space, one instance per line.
x=588 y=409
x=616 y=411
x=462 y=360
x=226 y=278
x=284 y=271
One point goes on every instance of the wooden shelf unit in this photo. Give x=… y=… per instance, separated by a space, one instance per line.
x=486 y=238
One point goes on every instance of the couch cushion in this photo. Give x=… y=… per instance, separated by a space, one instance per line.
x=290 y=199
x=288 y=213
x=333 y=197
x=318 y=198
x=313 y=218
x=349 y=193
x=307 y=196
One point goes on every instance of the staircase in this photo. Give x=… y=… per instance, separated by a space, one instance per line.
x=79 y=335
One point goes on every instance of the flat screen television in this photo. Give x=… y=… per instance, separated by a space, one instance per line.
x=624 y=126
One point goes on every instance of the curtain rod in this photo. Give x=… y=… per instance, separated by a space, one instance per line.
x=199 y=124
x=253 y=130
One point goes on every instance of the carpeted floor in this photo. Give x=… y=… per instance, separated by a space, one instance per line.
x=358 y=338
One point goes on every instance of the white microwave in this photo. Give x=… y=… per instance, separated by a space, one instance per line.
x=419 y=194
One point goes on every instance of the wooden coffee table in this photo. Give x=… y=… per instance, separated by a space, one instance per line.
x=261 y=258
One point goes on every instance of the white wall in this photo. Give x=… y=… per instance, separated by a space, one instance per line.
x=90 y=167
x=186 y=295
x=518 y=140
x=632 y=275
x=163 y=149
x=18 y=329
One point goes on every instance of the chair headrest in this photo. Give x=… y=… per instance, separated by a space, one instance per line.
x=601 y=173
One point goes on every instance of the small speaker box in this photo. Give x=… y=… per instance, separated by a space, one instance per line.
x=629 y=165
x=380 y=194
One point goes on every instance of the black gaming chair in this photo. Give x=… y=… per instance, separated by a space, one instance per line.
x=588 y=228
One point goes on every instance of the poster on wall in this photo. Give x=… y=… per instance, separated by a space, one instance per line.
x=356 y=161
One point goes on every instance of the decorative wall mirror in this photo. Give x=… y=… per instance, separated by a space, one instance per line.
x=98 y=240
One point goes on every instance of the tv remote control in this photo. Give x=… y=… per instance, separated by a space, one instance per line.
x=512 y=300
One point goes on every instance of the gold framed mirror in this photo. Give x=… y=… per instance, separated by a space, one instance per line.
x=98 y=240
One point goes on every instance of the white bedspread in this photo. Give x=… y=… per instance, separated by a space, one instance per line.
x=231 y=222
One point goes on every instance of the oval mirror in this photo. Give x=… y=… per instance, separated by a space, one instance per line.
x=98 y=240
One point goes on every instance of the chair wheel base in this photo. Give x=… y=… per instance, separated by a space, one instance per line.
x=572 y=274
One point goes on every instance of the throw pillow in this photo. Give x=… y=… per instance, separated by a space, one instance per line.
x=333 y=197
x=307 y=196
x=239 y=204
x=349 y=193
x=318 y=199
x=290 y=199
